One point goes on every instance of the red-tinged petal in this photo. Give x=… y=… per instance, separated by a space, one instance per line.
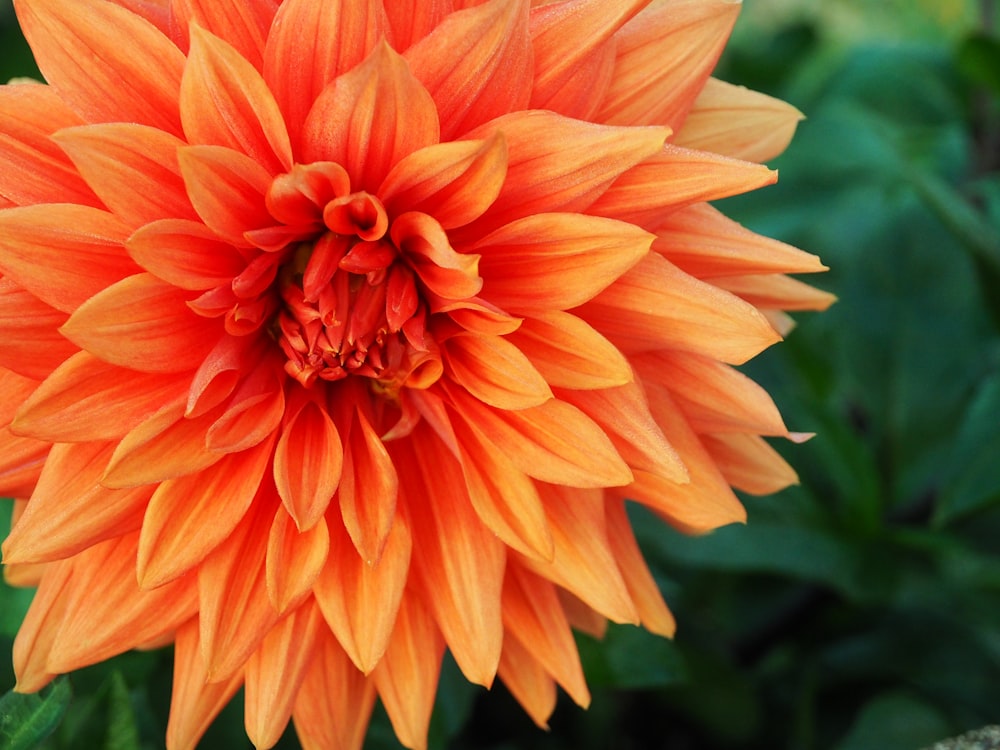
x=623 y=414
x=412 y=20
x=188 y=517
x=63 y=253
x=195 y=700
x=360 y=601
x=235 y=613
x=33 y=169
x=704 y=243
x=653 y=612
x=144 y=324
x=294 y=560
x=460 y=564
x=776 y=291
x=735 y=121
x=311 y=43
x=227 y=190
x=442 y=270
x=220 y=373
x=276 y=670
x=368 y=488
x=650 y=87
x=749 y=464
x=527 y=681
x=21 y=463
x=106 y=62
x=225 y=102
x=407 y=676
x=569 y=353
x=132 y=168
x=157 y=12
x=657 y=306
x=453 y=182
x=476 y=64
x=556 y=261
x=334 y=701
x=713 y=396
x=165 y=446
x=87 y=399
x=307 y=464
x=253 y=413
x=32 y=345
x=38 y=630
x=186 y=254
x=554 y=442
x=370 y=118
x=566 y=35
x=243 y=25
x=584 y=561
x=676 y=177
x=495 y=371
x=558 y=164
x=69 y=510
x=107 y=614
x=533 y=615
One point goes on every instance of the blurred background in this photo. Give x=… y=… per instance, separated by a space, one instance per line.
x=861 y=609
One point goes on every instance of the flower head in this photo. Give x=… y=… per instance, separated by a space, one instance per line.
x=336 y=334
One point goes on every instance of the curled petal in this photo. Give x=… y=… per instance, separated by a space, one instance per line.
x=443 y=270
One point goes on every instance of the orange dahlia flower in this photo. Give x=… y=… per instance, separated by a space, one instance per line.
x=336 y=334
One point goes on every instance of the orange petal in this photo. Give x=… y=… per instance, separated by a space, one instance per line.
x=657 y=306
x=244 y=25
x=370 y=118
x=443 y=271
x=294 y=560
x=144 y=324
x=776 y=291
x=107 y=614
x=132 y=168
x=33 y=169
x=556 y=261
x=476 y=64
x=554 y=442
x=674 y=178
x=495 y=371
x=186 y=254
x=307 y=464
x=735 y=121
x=194 y=701
x=220 y=373
x=453 y=182
x=569 y=353
x=749 y=463
x=21 y=462
x=38 y=630
x=407 y=676
x=69 y=511
x=360 y=601
x=225 y=102
x=528 y=681
x=253 y=412
x=87 y=399
x=582 y=616
x=412 y=20
x=227 y=190
x=190 y=516
x=106 y=62
x=62 y=253
x=32 y=345
x=652 y=88
x=310 y=44
x=276 y=670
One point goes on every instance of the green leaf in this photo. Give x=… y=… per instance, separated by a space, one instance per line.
x=26 y=720
x=630 y=657
x=978 y=57
x=13 y=601
x=122 y=732
x=896 y=721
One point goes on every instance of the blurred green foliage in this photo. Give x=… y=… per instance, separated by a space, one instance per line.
x=861 y=609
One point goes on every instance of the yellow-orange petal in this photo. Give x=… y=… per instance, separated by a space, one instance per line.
x=556 y=261
x=476 y=64
x=63 y=253
x=310 y=44
x=735 y=121
x=359 y=601
x=495 y=371
x=776 y=291
x=294 y=560
x=225 y=102
x=244 y=25
x=87 y=399
x=32 y=345
x=38 y=630
x=649 y=87
x=144 y=324
x=185 y=253
x=106 y=62
x=370 y=118
x=276 y=670
x=132 y=168
x=749 y=463
x=307 y=464
x=190 y=516
x=657 y=306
